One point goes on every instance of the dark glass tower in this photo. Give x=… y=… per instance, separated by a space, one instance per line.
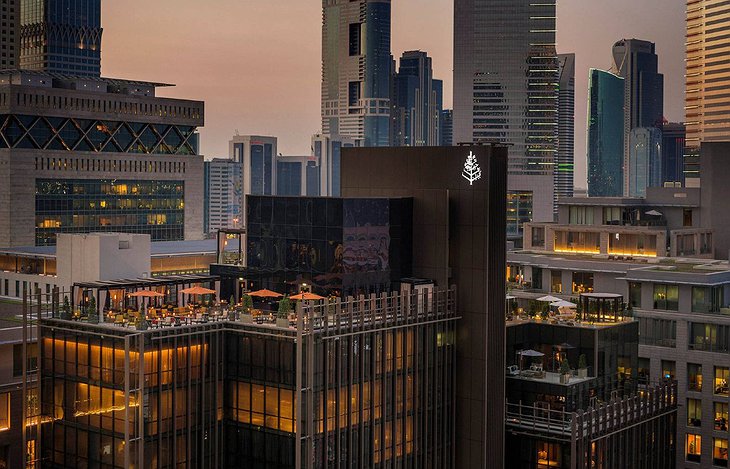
x=61 y=36
x=564 y=157
x=417 y=101
x=605 y=134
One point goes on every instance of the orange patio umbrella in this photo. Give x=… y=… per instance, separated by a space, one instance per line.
x=147 y=294
x=197 y=291
x=265 y=294
x=306 y=296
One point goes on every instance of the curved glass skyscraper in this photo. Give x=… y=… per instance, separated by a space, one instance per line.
x=605 y=134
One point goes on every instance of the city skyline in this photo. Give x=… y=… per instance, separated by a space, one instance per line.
x=238 y=95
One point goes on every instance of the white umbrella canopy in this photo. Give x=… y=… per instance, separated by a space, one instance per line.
x=531 y=353
x=509 y=297
x=548 y=299
x=563 y=303
x=654 y=213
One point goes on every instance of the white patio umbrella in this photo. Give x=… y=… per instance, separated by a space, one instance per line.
x=654 y=213
x=563 y=303
x=509 y=297
x=548 y=299
x=528 y=353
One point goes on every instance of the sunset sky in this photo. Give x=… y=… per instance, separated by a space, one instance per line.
x=256 y=63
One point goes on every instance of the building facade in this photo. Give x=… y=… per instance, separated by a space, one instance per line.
x=565 y=155
x=291 y=175
x=673 y=149
x=61 y=36
x=323 y=172
x=605 y=134
x=637 y=63
x=257 y=156
x=223 y=194
x=446 y=128
x=356 y=70
x=645 y=160
x=9 y=37
x=417 y=102
x=506 y=90
x=103 y=155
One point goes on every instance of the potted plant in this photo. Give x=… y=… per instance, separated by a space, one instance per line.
x=282 y=316
x=565 y=372
x=66 y=309
x=141 y=324
x=232 y=301
x=582 y=366
x=91 y=311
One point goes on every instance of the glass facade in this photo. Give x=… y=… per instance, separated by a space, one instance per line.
x=289 y=178
x=62 y=36
x=262 y=167
x=519 y=212
x=73 y=134
x=605 y=134
x=341 y=246
x=645 y=160
x=80 y=206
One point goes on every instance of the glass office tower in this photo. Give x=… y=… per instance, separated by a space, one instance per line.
x=605 y=134
x=61 y=36
x=645 y=160
x=565 y=156
x=356 y=65
x=417 y=102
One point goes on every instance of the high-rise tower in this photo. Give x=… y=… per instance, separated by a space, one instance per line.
x=637 y=63
x=707 y=79
x=9 y=28
x=356 y=66
x=417 y=102
x=605 y=134
x=564 y=160
x=61 y=36
x=505 y=90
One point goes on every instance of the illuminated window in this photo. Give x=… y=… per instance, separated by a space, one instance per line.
x=720 y=422
x=666 y=297
x=694 y=377
x=721 y=376
x=548 y=455
x=694 y=412
x=694 y=447
x=719 y=452
x=5 y=411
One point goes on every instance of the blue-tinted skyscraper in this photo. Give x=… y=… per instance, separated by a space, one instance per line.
x=645 y=160
x=674 y=136
x=356 y=70
x=61 y=36
x=605 y=134
x=417 y=102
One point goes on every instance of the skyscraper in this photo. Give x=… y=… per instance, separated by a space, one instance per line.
x=637 y=63
x=605 y=134
x=416 y=105
x=707 y=79
x=356 y=70
x=446 y=128
x=645 y=160
x=257 y=155
x=505 y=89
x=565 y=156
x=323 y=172
x=61 y=36
x=9 y=28
x=223 y=181
x=673 y=146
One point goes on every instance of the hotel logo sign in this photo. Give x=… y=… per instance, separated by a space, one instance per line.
x=471 y=172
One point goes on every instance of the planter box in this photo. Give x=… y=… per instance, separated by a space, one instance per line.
x=565 y=379
x=282 y=322
x=247 y=319
x=582 y=372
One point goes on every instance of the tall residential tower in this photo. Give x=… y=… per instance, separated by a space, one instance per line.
x=417 y=103
x=564 y=160
x=356 y=70
x=605 y=134
x=505 y=90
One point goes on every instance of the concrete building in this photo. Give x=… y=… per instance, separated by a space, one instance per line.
x=257 y=156
x=356 y=70
x=506 y=90
x=61 y=36
x=9 y=34
x=565 y=155
x=80 y=155
x=715 y=166
x=446 y=124
x=605 y=134
x=223 y=194
x=645 y=160
x=417 y=102
x=637 y=63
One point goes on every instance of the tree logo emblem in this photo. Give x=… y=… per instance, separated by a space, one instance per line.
x=471 y=171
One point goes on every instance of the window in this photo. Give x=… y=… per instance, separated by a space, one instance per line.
x=694 y=447
x=707 y=299
x=353 y=93
x=582 y=282
x=721 y=375
x=666 y=297
x=635 y=294
x=694 y=377
x=644 y=370
x=720 y=422
x=538 y=236
x=581 y=215
x=355 y=29
x=537 y=278
x=719 y=452
x=611 y=215
x=18 y=358
x=657 y=332
x=548 y=454
x=556 y=281
x=694 y=412
x=687 y=217
x=5 y=411
x=708 y=337
x=669 y=369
